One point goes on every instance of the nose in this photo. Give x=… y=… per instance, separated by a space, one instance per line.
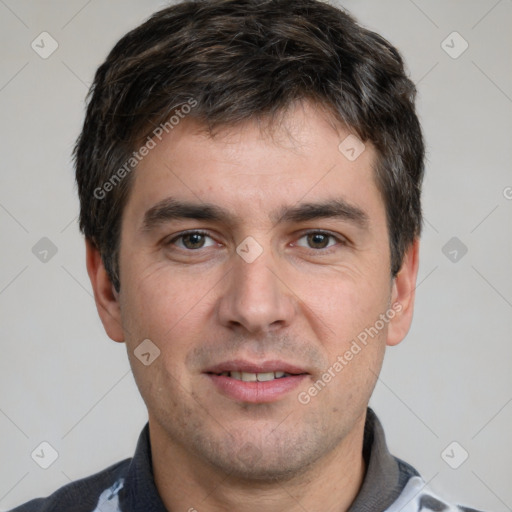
x=256 y=297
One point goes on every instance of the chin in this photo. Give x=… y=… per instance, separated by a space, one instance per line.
x=285 y=458
x=262 y=471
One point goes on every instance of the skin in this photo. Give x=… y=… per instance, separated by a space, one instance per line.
x=298 y=301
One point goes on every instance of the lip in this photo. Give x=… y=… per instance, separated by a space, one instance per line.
x=255 y=392
x=241 y=365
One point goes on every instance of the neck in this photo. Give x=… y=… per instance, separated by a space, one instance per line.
x=186 y=483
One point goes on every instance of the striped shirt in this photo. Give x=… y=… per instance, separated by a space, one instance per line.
x=390 y=484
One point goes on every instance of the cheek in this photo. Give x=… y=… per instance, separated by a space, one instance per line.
x=152 y=293
x=167 y=306
x=345 y=301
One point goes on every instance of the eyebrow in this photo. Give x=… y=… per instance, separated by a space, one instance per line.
x=173 y=209
x=332 y=208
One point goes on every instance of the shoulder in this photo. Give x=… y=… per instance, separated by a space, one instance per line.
x=417 y=497
x=82 y=495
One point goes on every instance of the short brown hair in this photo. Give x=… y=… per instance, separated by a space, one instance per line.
x=239 y=60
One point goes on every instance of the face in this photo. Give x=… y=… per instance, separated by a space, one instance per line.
x=267 y=255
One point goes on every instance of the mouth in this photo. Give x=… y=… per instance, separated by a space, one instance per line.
x=245 y=381
x=255 y=377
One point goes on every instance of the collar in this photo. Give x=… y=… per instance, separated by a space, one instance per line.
x=386 y=476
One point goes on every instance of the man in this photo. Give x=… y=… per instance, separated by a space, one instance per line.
x=249 y=174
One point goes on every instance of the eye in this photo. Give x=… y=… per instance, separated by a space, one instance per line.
x=318 y=240
x=192 y=240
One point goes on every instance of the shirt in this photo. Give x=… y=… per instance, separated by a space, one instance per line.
x=389 y=485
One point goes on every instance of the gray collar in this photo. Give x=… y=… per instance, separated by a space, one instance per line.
x=386 y=476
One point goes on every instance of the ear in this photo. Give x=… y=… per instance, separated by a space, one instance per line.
x=105 y=296
x=402 y=295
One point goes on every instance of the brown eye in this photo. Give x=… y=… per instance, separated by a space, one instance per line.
x=193 y=240
x=318 y=240
x=321 y=241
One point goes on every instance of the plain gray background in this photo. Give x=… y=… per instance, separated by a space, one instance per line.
x=64 y=382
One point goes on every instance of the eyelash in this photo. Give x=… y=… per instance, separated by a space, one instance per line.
x=340 y=241
x=182 y=235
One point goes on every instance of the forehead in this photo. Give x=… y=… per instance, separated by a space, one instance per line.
x=254 y=169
